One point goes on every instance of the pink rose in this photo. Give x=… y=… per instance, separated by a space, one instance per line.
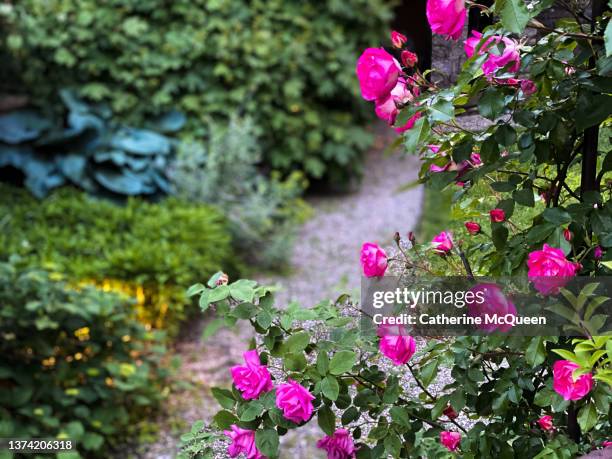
x=409 y=59
x=386 y=108
x=598 y=252
x=545 y=422
x=396 y=344
x=510 y=58
x=472 y=227
x=494 y=302
x=339 y=446
x=377 y=72
x=497 y=215
x=398 y=39
x=254 y=378
x=607 y=444
x=243 y=441
x=443 y=243
x=373 y=260
x=295 y=401
x=409 y=124
x=450 y=439
x=446 y=17
x=549 y=270
x=468 y=165
x=528 y=87
x=566 y=385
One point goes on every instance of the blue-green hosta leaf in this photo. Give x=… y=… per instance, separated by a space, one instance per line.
x=22 y=125
x=141 y=142
x=120 y=158
x=124 y=182
x=72 y=166
x=169 y=122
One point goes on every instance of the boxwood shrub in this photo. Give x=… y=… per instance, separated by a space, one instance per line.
x=74 y=364
x=147 y=250
x=289 y=64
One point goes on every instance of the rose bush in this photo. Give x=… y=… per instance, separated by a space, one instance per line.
x=520 y=184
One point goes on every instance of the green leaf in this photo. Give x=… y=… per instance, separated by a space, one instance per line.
x=295 y=362
x=350 y=415
x=524 y=197
x=556 y=216
x=245 y=311
x=296 y=342
x=224 y=397
x=224 y=419
x=491 y=104
x=587 y=417
x=514 y=16
x=417 y=135
x=499 y=236
x=253 y=410
x=505 y=135
x=330 y=387
x=322 y=363
x=195 y=289
x=429 y=372
x=457 y=399
x=442 y=110
x=400 y=416
x=536 y=353
x=342 y=362
x=219 y=293
x=393 y=445
x=608 y=39
x=267 y=442
x=326 y=420
x=264 y=319
x=243 y=290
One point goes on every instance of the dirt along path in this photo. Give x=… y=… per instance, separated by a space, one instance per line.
x=324 y=264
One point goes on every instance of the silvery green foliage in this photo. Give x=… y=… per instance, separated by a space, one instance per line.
x=223 y=170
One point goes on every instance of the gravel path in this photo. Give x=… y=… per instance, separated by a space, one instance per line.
x=325 y=263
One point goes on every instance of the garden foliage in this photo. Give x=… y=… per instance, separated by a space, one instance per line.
x=288 y=64
x=74 y=364
x=526 y=214
x=88 y=149
x=263 y=213
x=146 y=250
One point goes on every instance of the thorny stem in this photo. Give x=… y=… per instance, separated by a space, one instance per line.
x=430 y=395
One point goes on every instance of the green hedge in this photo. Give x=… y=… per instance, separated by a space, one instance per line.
x=288 y=63
x=74 y=364
x=148 y=250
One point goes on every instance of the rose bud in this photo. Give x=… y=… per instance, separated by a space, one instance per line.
x=398 y=39
x=449 y=412
x=223 y=279
x=598 y=252
x=472 y=227
x=567 y=234
x=545 y=422
x=497 y=215
x=409 y=59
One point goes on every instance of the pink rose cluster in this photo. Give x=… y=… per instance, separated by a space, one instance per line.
x=252 y=380
x=549 y=270
x=566 y=385
x=462 y=168
x=509 y=60
x=339 y=445
x=446 y=17
x=450 y=439
x=443 y=243
x=494 y=303
x=373 y=260
x=396 y=344
x=381 y=80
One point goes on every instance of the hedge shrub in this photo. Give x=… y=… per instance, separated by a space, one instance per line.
x=148 y=250
x=74 y=364
x=289 y=64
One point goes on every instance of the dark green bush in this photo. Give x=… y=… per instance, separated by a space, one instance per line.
x=73 y=364
x=148 y=250
x=289 y=64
